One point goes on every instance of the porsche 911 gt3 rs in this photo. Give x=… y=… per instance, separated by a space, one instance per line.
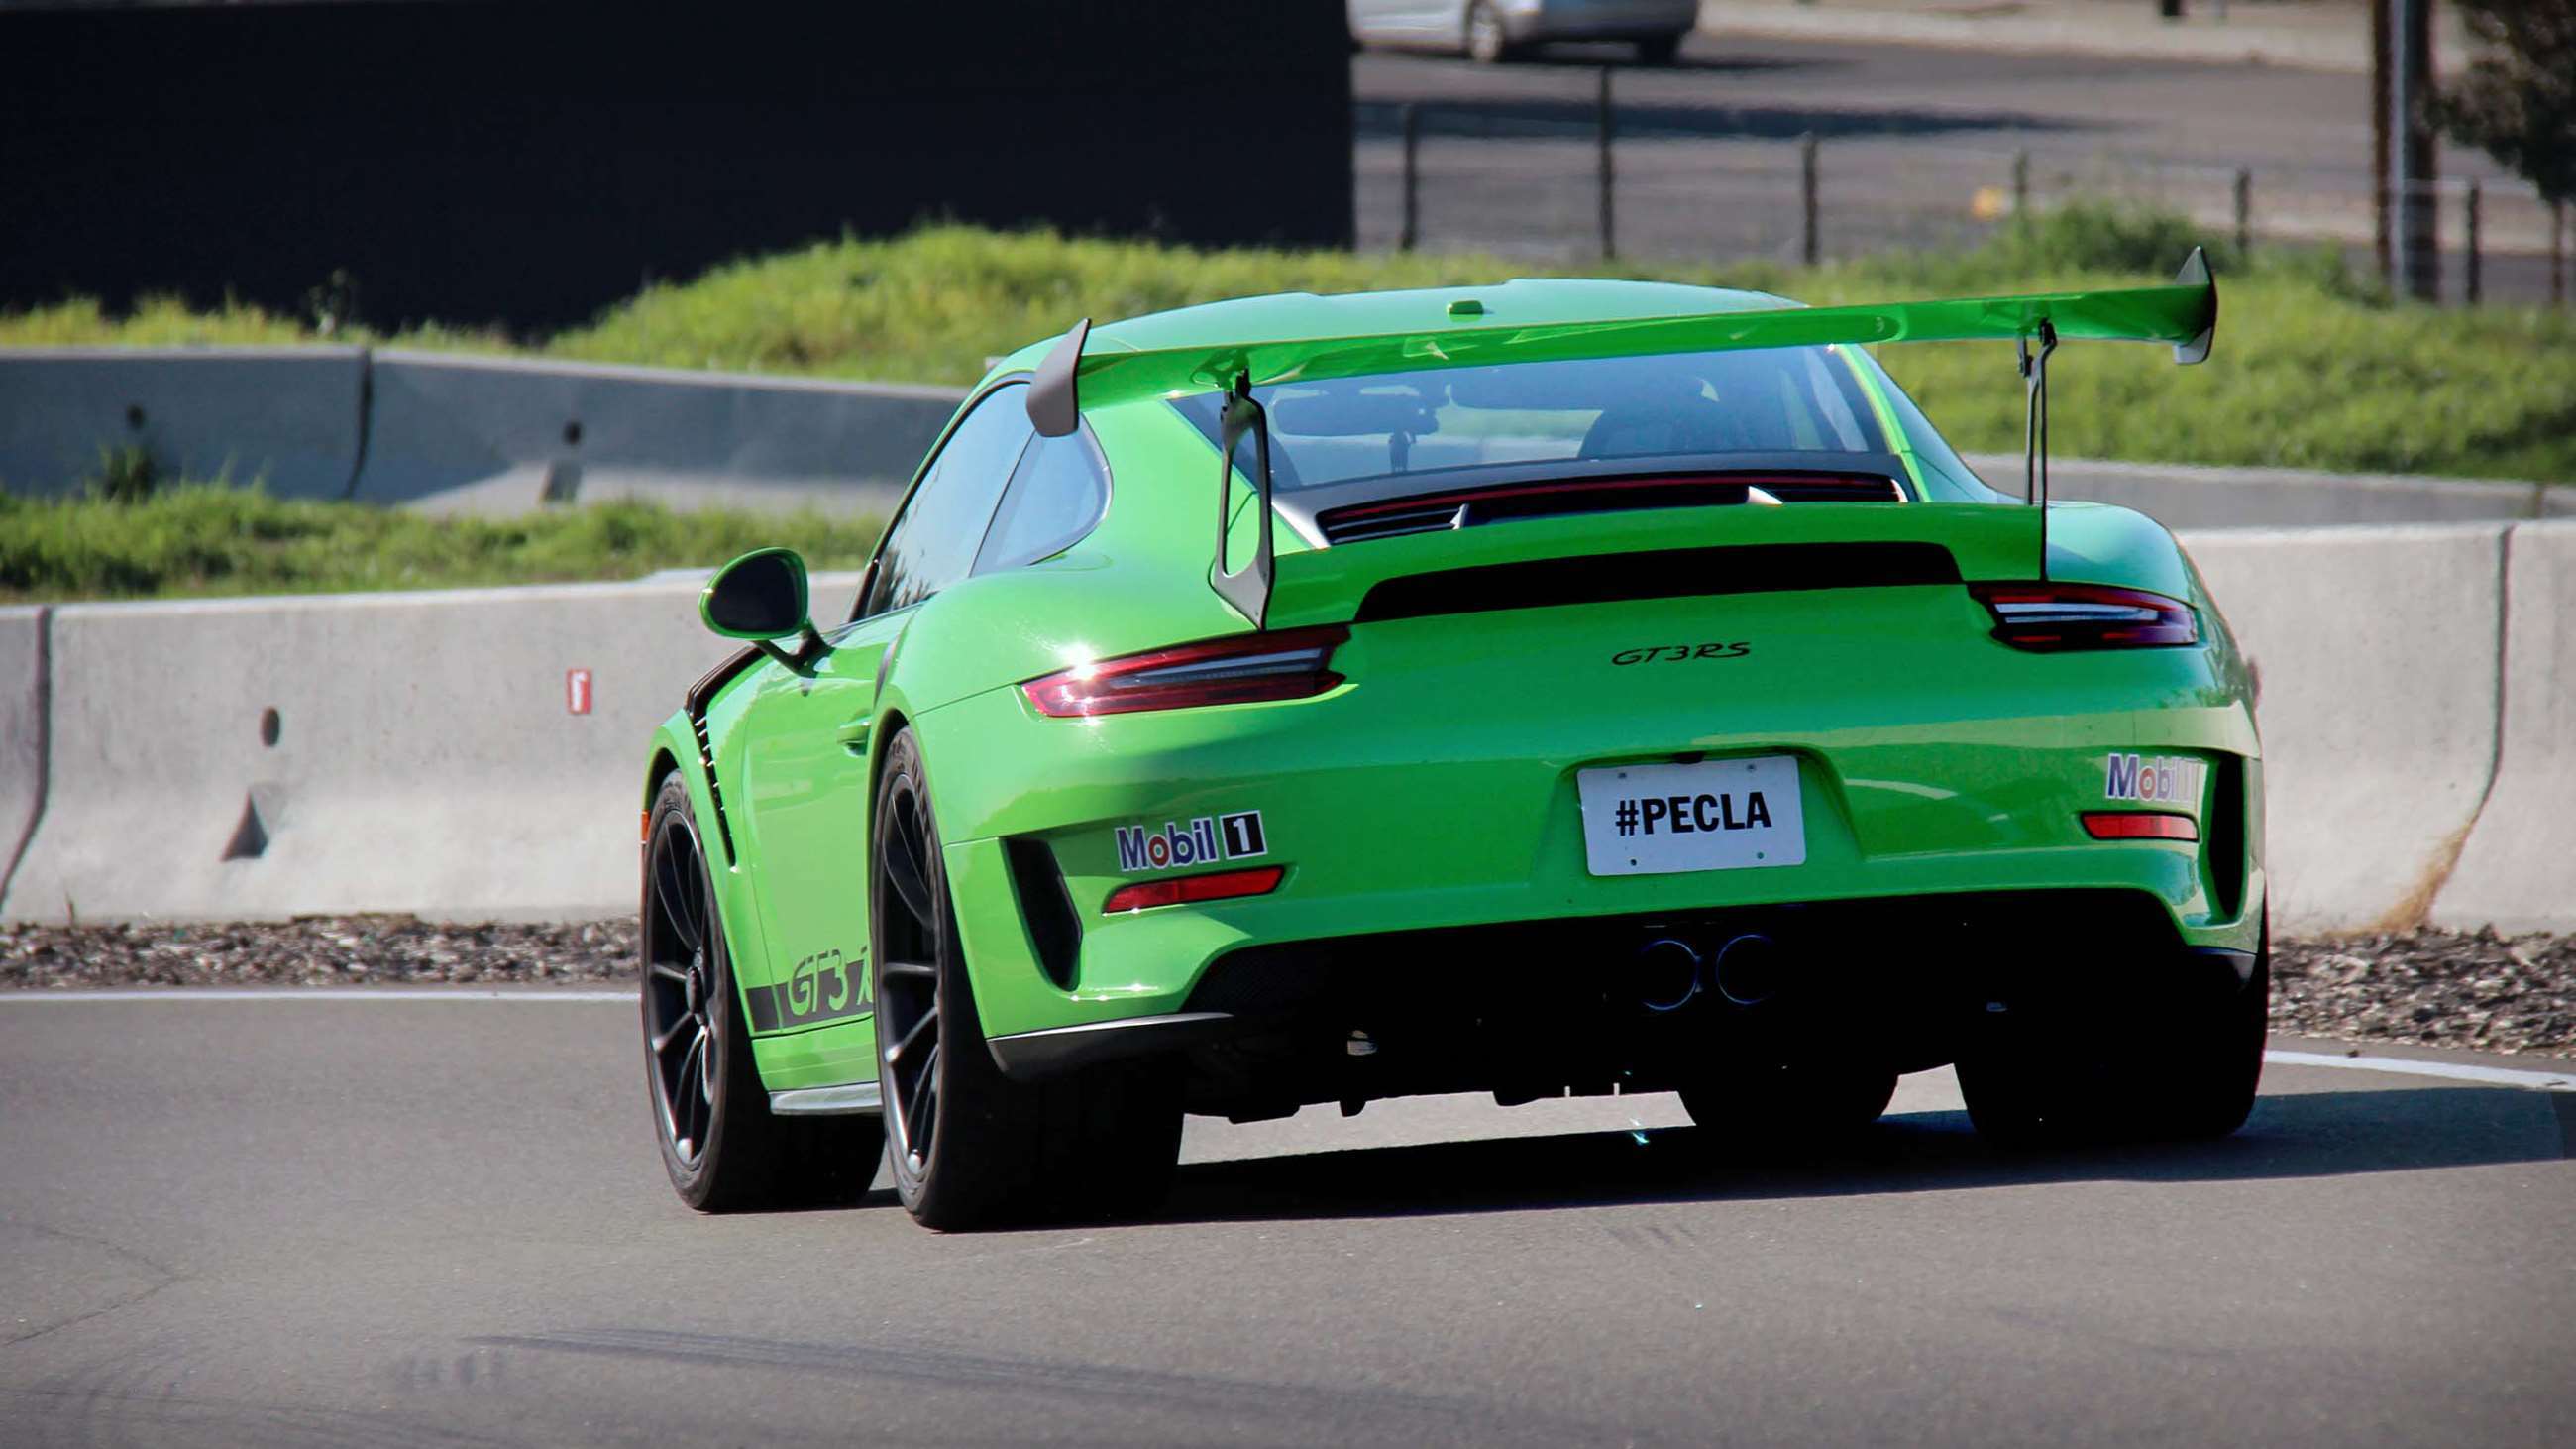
x=1542 y=688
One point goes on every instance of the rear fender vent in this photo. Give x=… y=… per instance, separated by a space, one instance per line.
x=715 y=792
x=2227 y=835
x=1663 y=574
x=1386 y=518
x=1047 y=907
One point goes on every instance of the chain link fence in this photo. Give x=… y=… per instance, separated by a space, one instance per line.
x=1570 y=180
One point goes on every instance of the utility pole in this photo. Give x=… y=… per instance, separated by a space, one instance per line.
x=2414 y=228
x=2380 y=146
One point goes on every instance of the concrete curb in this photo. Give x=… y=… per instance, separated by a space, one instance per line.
x=458 y=433
x=2517 y=869
x=2378 y=651
x=287 y=417
x=422 y=756
x=2189 y=496
x=412 y=752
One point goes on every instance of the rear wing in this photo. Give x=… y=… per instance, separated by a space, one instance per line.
x=2182 y=314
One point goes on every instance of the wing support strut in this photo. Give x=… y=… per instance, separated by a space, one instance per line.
x=1246 y=588
x=2034 y=438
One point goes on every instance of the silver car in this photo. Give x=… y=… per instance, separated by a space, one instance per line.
x=1496 y=30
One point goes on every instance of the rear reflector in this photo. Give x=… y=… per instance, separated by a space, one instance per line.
x=2139 y=825
x=1220 y=886
x=2045 y=617
x=1241 y=669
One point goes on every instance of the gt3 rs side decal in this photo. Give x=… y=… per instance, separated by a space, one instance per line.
x=822 y=987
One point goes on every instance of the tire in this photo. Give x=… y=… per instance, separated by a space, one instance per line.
x=1659 y=50
x=1487 y=42
x=2208 y=1064
x=721 y=1146
x=967 y=1146
x=1791 y=1105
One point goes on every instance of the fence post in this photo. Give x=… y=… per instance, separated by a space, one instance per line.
x=2558 y=254
x=2244 y=213
x=2021 y=186
x=1807 y=245
x=2474 y=279
x=1411 y=117
x=1609 y=229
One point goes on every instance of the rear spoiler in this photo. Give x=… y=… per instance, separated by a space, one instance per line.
x=2182 y=313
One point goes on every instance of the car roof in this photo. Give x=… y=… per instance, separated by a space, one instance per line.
x=1521 y=302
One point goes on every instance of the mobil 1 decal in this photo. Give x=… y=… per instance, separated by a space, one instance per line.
x=1199 y=840
x=2159 y=779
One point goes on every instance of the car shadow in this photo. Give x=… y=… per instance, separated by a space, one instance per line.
x=2321 y=1134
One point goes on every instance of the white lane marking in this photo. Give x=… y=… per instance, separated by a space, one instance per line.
x=323 y=993
x=2561 y=1081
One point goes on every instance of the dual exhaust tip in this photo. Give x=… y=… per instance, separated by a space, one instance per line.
x=1667 y=974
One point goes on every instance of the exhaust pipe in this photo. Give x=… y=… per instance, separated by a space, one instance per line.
x=1664 y=975
x=1749 y=969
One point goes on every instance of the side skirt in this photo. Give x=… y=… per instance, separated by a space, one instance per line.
x=856 y=1099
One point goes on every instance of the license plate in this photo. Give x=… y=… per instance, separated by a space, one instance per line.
x=1712 y=815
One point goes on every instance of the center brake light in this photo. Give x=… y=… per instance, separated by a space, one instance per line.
x=2047 y=617
x=1238 y=669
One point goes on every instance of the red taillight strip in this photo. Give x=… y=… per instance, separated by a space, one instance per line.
x=1221 y=885
x=1242 y=669
x=2051 y=616
x=2139 y=825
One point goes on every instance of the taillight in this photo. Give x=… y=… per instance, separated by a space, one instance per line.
x=2139 y=825
x=1223 y=885
x=1241 y=669
x=2045 y=616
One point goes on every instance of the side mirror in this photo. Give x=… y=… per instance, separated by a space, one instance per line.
x=761 y=597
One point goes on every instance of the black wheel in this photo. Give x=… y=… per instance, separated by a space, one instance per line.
x=1660 y=50
x=2217 y=1064
x=2207 y=1047
x=1488 y=43
x=968 y=1146
x=723 y=1148
x=1790 y=1105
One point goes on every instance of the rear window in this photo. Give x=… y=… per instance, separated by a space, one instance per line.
x=1697 y=408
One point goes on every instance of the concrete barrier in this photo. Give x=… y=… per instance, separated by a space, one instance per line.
x=2189 y=497
x=23 y=719
x=284 y=416
x=395 y=752
x=501 y=435
x=2518 y=870
x=2378 y=652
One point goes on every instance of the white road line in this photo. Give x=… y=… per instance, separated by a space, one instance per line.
x=2559 y=1081
x=324 y=993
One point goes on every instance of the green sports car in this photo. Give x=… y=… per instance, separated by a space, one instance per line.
x=1556 y=687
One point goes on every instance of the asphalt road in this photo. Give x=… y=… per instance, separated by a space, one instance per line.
x=431 y=1223
x=1707 y=162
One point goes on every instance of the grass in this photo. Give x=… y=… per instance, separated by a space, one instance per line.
x=2313 y=369
x=212 y=538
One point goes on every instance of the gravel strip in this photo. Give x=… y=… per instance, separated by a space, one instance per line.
x=2434 y=988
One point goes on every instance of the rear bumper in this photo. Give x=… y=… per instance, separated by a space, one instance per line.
x=1912 y=980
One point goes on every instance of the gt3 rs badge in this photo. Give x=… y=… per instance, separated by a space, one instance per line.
x=1197 y=841
x=2162 y=778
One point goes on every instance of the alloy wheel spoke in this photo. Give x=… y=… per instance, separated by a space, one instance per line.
x=679 y=905
x=904 y=872
x=916 y=1115
x=662 y=1039
x=670 y=971
x=910 y=968
x=929 y=1021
